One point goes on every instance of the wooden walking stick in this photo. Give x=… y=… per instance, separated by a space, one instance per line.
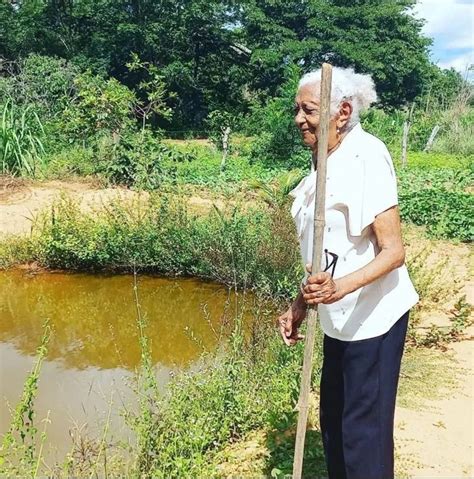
x=319 y=222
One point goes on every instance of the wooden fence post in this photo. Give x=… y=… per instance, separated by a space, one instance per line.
x=406 y=130
x=225 y=146
x=431 y=139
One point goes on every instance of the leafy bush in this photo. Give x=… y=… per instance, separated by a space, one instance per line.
x=99 y=106
x=438 y=199
x=71 y=161
x=138 y=159
x=277 y=141
x=248 y=249
x=44 y=83
x=446 y=214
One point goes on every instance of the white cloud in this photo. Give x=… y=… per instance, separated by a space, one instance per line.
x=459 y=63
x=450 y=24
x=444 y=16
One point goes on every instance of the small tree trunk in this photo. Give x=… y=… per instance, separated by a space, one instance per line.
x=225 y=146
x=406 y=129
x=431 y=139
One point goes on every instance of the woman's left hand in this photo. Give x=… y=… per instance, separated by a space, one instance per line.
x=322 y=288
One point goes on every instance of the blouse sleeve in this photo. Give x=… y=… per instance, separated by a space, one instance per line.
x=378 y=190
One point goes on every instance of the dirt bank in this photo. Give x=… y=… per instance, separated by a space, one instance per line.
x=21 y=202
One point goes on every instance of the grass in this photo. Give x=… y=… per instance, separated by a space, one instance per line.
x=21 y=145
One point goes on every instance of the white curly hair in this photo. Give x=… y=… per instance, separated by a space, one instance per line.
x=347 y=85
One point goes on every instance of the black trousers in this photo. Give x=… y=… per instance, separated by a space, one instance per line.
x=357 y=403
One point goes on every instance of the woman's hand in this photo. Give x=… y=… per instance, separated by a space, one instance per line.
x=321 y=288
x=290 y=321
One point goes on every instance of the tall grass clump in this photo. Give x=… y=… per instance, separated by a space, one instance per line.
x=21 y=140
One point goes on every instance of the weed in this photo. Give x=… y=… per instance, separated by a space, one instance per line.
x=19 y=453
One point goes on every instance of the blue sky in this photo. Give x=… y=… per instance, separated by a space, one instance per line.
x=451 y=25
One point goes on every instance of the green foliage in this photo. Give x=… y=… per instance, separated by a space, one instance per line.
x=438 y=200
x=99 y=106
x=217 y=123
x=250 y=382
x=247 y=249
x=386 y=126
x=219 y=55
x=70 y=161
x=138 y=159
x=382 y=38
x=40 y=82
x=21 y=146
x=434 y=161
x=153 y=88
x=276 y=193
x=203 y=167
x=278 y=141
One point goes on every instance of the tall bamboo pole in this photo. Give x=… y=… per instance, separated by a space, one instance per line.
x=319 y=222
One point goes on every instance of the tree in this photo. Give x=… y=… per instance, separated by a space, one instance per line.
x=380 y=38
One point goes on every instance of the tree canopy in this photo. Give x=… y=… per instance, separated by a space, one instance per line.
x=223 y=54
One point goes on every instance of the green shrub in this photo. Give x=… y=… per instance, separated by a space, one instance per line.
x=139 y=159
x=439 y=199
x=434 y=160
x=73 y=160
x=44 y=83
x=276 y=139
x=99 y=106
x=446 y=214
x=252 y=249
x=386 y=126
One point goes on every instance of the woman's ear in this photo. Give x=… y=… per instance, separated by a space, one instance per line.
x=345 y=112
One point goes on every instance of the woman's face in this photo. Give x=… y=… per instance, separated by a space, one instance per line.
x=307 y=117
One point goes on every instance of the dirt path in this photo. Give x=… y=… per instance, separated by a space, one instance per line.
x=22 y=202
x=434 y=442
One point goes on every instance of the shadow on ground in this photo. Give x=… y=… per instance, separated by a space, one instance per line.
x=281 y=444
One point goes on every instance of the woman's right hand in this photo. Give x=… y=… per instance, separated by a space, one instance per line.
x=291 y=320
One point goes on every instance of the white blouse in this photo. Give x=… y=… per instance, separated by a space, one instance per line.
x=361 y=183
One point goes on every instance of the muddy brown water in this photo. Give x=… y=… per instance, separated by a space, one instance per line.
x=94 y=348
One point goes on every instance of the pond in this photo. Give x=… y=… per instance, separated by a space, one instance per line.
x=94 y=348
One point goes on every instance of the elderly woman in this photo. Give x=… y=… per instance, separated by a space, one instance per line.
x=365 y=293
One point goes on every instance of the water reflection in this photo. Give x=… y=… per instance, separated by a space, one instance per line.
x=94 y=317
x=94 y=347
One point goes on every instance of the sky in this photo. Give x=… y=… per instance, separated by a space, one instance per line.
x=450 y=23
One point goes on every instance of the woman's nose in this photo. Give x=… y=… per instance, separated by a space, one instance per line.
x=300 y=119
